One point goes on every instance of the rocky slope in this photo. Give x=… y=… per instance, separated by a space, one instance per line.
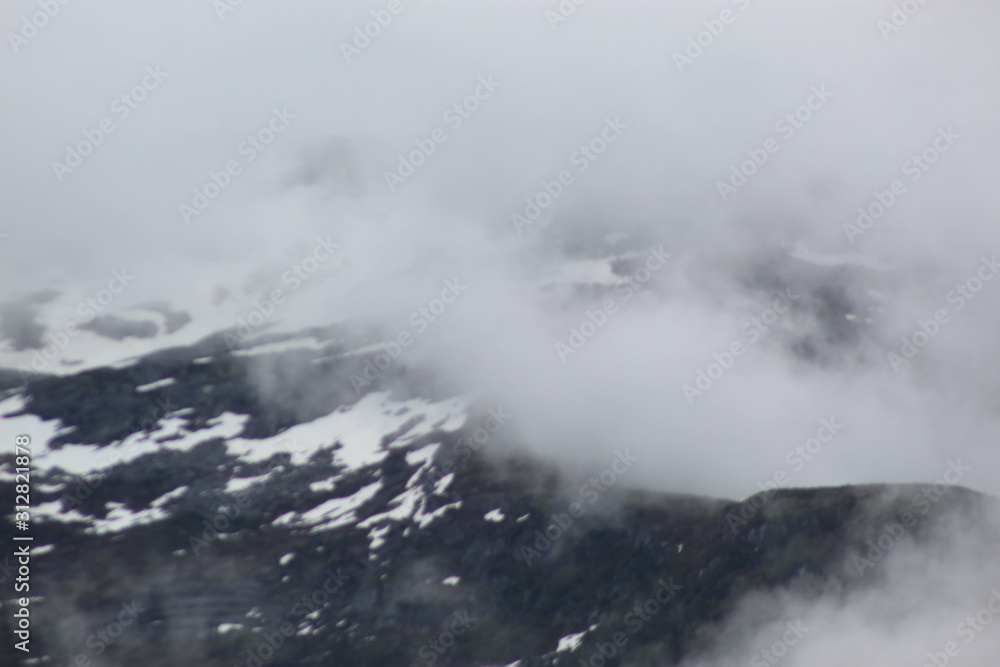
x=181 y=517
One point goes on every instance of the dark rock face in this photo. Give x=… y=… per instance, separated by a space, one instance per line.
x=435 y=553
x=119 y=328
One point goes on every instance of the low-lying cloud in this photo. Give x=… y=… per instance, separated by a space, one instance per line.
x=819 y=189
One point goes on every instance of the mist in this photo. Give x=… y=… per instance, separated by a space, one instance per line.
x=925 y=602
x=268 y=135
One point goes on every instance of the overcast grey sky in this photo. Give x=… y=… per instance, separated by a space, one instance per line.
x=198 y=82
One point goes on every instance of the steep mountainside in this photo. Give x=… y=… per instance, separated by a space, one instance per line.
x=179 y=517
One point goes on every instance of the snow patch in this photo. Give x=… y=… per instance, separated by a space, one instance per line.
x=237 y=484
x=495 y=516
x=325 y=485
x=282 y=346
x=121 y=518
x=337 y=512
x=359 y=428
x=802 y=253
x=571 y=642
x=376 y=536
x=165 y=382
x=442 y=484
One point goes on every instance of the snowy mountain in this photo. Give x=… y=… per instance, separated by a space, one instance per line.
x=377 y=516
x=500 y=334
